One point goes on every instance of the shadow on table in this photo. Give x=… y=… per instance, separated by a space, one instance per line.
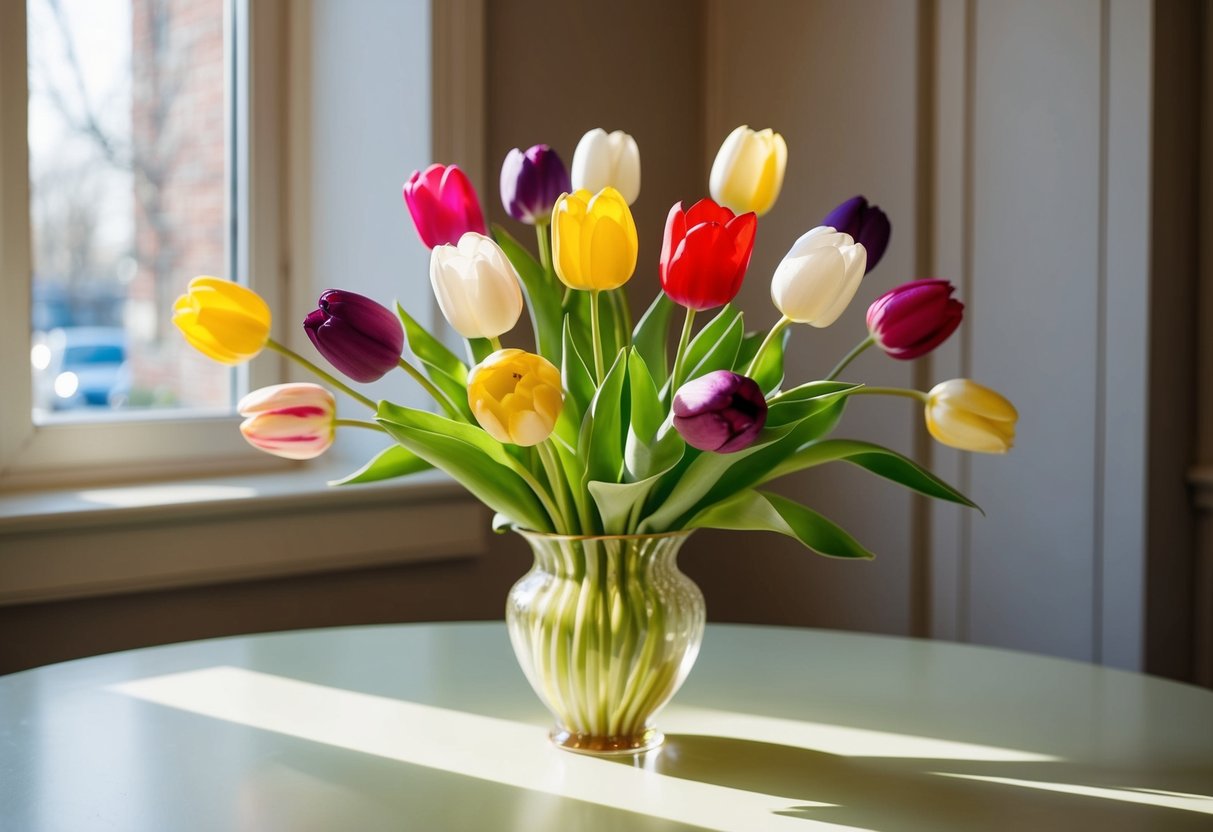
x=883 y=793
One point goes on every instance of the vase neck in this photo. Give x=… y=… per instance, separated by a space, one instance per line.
x=577 y=556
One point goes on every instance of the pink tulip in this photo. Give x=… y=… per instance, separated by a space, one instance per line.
x=914 y=318
x=443 y=205
x=293 y=421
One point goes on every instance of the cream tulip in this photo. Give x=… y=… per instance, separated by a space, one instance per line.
x=818 y=277
x=607 y=160
x=476 y=286
x=963 y=414
x=748 y=171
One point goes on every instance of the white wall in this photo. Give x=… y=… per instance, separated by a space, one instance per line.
x=1034 y=121
x=368 y=127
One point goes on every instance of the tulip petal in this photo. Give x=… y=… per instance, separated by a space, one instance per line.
x=721 y=182
x=854 y=258
x=592 y=166
x=626 y=174
x=804 y=286
x=967 y=431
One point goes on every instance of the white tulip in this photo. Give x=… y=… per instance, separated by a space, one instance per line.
x=476 y=286
x=818 y=277
x=603 y=160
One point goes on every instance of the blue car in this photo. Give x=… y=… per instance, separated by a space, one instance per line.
x=81 y=367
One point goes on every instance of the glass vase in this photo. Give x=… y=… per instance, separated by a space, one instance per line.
x=606 y=630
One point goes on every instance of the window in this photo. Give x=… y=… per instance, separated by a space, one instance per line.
x=130 y=194
x=126 y=147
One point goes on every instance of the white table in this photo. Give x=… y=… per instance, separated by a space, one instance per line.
x=433 y=727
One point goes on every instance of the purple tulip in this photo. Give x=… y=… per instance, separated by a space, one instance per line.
x=914 y=318
x=721 y=411
x=358 y=336
x=866 y=223
x=531 y=182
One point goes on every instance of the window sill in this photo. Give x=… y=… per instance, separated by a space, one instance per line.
x=73 y=543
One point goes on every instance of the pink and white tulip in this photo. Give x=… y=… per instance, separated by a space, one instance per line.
x=293 y=421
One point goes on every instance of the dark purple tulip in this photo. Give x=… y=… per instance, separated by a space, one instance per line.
x=358 y=336
x=531 y=182
x=914 y=318
x=866 y=223
x=721 y=411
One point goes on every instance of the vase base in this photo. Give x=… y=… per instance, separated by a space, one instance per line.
x=607 y=746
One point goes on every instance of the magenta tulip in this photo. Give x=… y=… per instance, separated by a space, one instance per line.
x=721 y=411
x=914 y=318
x=443 y=205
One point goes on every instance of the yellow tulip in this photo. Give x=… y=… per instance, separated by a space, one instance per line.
x=223 y=320
x=593 y=240
x=963 y=414
x=516 y=396
x=748 y=171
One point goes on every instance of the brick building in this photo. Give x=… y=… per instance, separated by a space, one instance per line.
x=179 y=130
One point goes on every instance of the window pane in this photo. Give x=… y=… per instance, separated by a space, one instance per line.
x=128 y=129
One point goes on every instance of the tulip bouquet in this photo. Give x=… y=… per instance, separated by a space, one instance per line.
x=598 y=434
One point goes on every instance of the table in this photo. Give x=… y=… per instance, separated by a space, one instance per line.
x=433 y=727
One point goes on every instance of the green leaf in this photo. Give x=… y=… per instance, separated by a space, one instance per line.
x=391 y=462
x=606 y=420
x=651 y=338
x=712 y=477
x=883 y=462
x=479 y=462
x=618 y=501
x=647 y=414
x=706 y=341
x=803 y=401
x=721 y=354
x=443 y=367
x=752 y=510
x=575 y=374
x=769 y=372
x=429 y=350
x=480 y=348
x=578 y=308
x=543 y=294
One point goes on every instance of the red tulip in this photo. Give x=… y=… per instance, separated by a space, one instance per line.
x=443 y=205
x=914 y=318
x=705 y=254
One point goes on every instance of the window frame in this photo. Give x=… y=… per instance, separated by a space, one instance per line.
x=145 y=445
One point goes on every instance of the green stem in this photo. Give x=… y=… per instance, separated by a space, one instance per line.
x=688 y=324
x=849 y=357
x=357 y=423
x=340 y=385
x=888 y=391
x=434 y=392
x=779 y=327
x=552 y=469
x=496 y=342
x=544 y=236
x=623 y=317
x=596 y=334
x=540 y=492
